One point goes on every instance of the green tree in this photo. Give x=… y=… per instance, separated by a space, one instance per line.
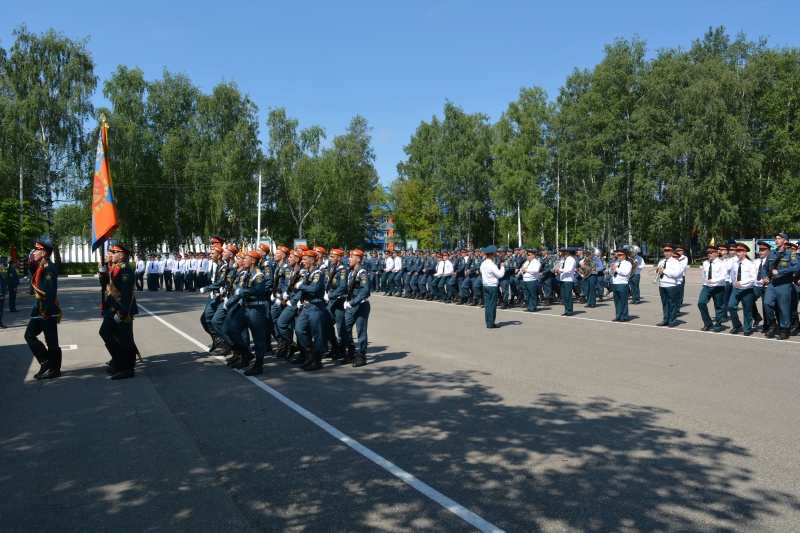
x=48 y=82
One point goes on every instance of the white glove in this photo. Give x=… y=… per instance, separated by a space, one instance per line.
x=285 y=295
x=347 y=305
x=327 y=299
x=202 y=290
x=289 y=303
x=299 y=305
x=225 y=304
x=117 y=318
x=272 y=298
x=238 y=292
x=297 y=285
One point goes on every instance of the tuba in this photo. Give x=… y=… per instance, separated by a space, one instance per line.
x=633 y=250
x=588 y=262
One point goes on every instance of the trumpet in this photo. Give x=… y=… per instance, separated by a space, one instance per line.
x=653 y=272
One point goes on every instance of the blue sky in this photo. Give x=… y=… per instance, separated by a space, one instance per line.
x=394 y=63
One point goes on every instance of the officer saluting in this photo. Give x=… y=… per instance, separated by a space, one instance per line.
x=46 y=313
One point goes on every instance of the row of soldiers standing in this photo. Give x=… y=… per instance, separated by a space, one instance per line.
x=530 y=276
x=307 y=299
x=189 y=271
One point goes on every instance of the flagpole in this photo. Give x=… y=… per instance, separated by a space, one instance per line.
x=258 y=226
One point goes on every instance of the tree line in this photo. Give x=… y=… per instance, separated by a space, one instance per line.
x=185 y=164
x=692 y=145
x=687 y=145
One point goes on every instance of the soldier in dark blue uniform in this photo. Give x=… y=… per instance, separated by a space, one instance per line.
x=426 y=272
x=251 y=295
x=336 y=291
x=782 y=266
x=357 y=308
x=218 y=277
x=119 y=309
x=3 y=292
x=13 y=283
x=285 y=323
x=224 y=287
x=46 y=313
x=372 y=267
x=309 y=324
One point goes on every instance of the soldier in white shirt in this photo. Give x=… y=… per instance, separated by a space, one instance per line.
x=388 y=271
x=620 y=277
x=715 y=274
x=743 y=280
x=566 y=276
x=530 y=279
x=177 y=274
x=169 y=269
x=153 y=272
x=680 y=255
x=140 y=266
x=669 y=274
x=490 y=276
x=633 y=286
x=202 y=269
x=190 y=274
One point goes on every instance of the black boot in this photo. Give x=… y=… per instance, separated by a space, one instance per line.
x=215 y=340
x=361 y=358
x=235 y=357
x=340 y=354
x=334 y=349
x=504 y=305
x=225 y=350
x=314 y=362
x=54 y=364
x=783 y=334
x=258 y=367
x=40 y=352
x=283 y=347
x=300 y=358
x=244 y=362
x=351 y=352
x=773 y=329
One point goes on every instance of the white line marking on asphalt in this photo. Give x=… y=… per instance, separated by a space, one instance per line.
x=68 y=347
x=448 y=503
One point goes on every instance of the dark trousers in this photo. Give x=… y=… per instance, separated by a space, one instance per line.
x=746 y=297
x=119 y=341
x=490 y=295
x=779 y=297
x=707 y=294
x=168 y=279
x=12 y=300
x=634 y=288
x=51 y=354
x=669 y=303
x=566 y=296
x=309 y=327
x=139 y=276
x=620 y=300
x=152 y=282
x=357 y=316
x=530 y=289
x=591 y=291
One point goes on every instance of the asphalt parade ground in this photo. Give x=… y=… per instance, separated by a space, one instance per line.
x=548 y=423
